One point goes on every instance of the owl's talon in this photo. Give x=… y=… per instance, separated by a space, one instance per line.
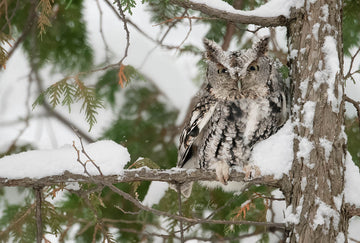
x=222 y=172
x=251 y=172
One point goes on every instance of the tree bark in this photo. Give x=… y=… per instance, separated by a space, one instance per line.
x=315 y=201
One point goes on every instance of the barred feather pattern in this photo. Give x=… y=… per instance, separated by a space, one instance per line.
x=242 y=101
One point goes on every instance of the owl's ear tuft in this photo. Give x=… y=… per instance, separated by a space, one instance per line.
x=213 y=52
x=261 y=47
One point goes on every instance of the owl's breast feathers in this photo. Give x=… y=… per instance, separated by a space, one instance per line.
x=228 y=129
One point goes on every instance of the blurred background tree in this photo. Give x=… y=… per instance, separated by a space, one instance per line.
x=54 y=37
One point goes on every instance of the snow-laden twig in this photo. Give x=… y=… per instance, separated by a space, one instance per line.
x=280 y=20
x=141 y=174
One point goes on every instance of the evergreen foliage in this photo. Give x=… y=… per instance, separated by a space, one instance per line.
x=145 y=123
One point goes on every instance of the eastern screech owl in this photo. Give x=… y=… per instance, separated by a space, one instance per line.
x=241 y=102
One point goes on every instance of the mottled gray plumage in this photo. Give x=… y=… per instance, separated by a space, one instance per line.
x=241 y=102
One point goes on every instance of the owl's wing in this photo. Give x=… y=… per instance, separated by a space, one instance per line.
x=193 y=131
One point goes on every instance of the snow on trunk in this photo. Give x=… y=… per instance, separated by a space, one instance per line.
x=316 y=200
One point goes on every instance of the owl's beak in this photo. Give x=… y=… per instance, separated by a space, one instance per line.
x=239 y=84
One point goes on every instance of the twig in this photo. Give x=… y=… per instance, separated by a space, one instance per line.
x=183 y=17
x=39 y=224
x=26 y=120
x=178 y=189
x=126 y=212
x=107 y=49
x=86 y=154
x=349 y=74
x=123 y=18
x=230 y=27
x=185 y=219
x=149 y=37
x=160 y=42
x=356 y=104
x=30 y=21
x=352 y=210
x=171 y=26
x=187 y=34
x=16 y=222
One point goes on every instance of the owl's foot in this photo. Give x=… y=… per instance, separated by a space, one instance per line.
x=251 y=171
x=222 y=172
x=185 y=188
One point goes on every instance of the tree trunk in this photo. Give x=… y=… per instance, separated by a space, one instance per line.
x=315 y=201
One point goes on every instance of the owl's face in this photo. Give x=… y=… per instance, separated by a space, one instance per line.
x=248 y=72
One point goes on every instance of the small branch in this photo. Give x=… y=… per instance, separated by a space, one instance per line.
x=26 y=120
x=230 y=27
x=31 y=19
x=39 y=224
x=181 y=18
x=349 y=74
x=178 y=188
x=86 y=154
x=355 y=103
x=123 y=18
x=232 y=17
x=189 y=220
x=107 y=49
x=352 y=210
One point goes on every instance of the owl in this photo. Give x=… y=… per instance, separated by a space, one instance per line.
x=241 y=102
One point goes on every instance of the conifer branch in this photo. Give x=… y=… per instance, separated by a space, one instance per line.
x=232 y=17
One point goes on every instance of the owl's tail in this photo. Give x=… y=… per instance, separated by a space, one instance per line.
x=185 y=188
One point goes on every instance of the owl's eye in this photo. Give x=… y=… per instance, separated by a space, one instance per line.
x=253 y=67
x=223 y=70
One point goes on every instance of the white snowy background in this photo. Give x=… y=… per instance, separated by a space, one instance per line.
x=172 y=73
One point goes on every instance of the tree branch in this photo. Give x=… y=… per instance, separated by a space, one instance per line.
x=352 y=210
x=355 y=103
x=141 y=174
x=39 y=223
x=233 y=17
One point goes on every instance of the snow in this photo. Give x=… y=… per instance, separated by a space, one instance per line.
x=274 y=155
x=332 y=67
x=352 y=182
x=340 y=238
x=309 y=112
x=156 y=191
x=293 y=217
x=277 y=212
x=108 y=155
x=327 y=145
x=315 y=31
x=305 y=147
x=325 y=13
x=325 y=215
x=354 y=226
x=272 y=8
x=303 y=183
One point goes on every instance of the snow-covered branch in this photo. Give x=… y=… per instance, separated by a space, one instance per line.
x=141 y=174
x=264 y=16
